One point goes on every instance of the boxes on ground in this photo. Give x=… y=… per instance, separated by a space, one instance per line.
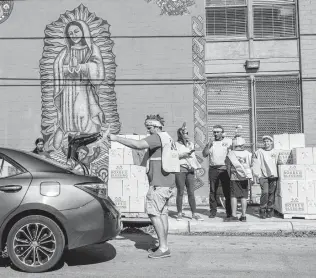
x=116 y=156
x=137 y=204
x=117 y=145
x=293 y=206
x=122 y=203
x=303 y=156
x=115 y=188
x=119 y=171
x=291 y=172
x=281 y=141
x=310 y=172
x=297 y=140
x=285 y=157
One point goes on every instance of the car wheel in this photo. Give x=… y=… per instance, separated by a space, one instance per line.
x=35 y=244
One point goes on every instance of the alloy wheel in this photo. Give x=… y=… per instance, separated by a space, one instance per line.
x=34 y=244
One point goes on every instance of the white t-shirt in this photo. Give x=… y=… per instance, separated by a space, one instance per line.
x=268 y=162
x=219 y=151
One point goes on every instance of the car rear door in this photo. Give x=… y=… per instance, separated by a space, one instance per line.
x=14 y=183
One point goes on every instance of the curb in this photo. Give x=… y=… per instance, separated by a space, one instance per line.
x=177 y=227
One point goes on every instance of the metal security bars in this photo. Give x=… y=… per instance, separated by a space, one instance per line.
x=229 y=103
x=264 y=105
x=226 y=18
x=278 y=105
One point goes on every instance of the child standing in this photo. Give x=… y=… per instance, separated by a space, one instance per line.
x=238 y=163
x=265 y=169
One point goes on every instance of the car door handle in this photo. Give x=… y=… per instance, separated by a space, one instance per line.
x=10 y=188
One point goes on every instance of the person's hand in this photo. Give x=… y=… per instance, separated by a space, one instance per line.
x=111 y=137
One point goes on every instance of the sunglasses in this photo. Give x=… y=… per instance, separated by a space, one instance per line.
x=186 y=133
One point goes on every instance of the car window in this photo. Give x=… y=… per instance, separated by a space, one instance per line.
x=7 y=169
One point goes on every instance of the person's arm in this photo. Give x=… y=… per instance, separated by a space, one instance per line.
x=131 y=143
x=207 y=148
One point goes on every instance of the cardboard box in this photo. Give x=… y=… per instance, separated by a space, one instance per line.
x=297 y=140
x=288 y=189
x=122 y=203
x=142 y=188
x=281 y=141
x=310 y=172
x=119 y=172
x=285 y=157
x=303 y=156
x=311 y=205
x=116 y=156
x=314 y=155
x=306 y=189
x=137 y=204
x=116 y=145
x=294 y=206
x=115 y=188
x=130 y=188
x=138 y=173
x=291 y=172
x=128 y=156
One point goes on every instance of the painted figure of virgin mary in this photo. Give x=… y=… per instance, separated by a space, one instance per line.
x=78 y=74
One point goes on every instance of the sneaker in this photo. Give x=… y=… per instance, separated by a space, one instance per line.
x=269 y=213
x=243 y=219
x=197 y=217
x=212 y=214
x=153 y=249
x=232 y=219
x=179 y=217
x=262 y=213
x=159 y=254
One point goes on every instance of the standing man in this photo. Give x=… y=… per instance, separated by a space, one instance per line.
x=265 y=168
x=217 y=151
x=162 y=184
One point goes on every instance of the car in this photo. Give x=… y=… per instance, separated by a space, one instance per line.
x=46 y=208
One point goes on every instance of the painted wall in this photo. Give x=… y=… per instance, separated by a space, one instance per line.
x=136 y=28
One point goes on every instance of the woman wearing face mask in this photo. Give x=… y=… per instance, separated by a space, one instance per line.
x=186 y=177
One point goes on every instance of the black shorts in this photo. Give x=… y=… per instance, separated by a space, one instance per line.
x=239 y=189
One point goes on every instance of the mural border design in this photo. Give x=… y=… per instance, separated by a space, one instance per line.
x=199 y=96
x=173 y=7
x=6 y=7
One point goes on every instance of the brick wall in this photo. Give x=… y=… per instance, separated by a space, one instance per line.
x=136 y=58
x=307 y=24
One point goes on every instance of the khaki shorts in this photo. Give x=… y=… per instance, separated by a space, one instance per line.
x=157 y=200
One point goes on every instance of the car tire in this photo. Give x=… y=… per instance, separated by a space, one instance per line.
x=35 y=244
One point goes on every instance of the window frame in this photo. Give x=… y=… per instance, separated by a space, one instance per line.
x=294 y=3
x=231 y=38
x=13 y=163
x=250 y=24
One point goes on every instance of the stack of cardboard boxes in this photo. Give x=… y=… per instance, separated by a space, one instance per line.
x=295 y=194
x=128 y=183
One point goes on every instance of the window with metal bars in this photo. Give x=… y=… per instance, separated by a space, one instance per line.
x=226 y=18
x=270 y=105
x=274 y=19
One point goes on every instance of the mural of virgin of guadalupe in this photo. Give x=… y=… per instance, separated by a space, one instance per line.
x=78 y=74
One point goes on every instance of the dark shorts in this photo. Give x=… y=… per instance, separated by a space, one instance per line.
x=239 y=189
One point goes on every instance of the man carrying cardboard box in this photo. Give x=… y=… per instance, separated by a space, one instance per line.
x=264 y=167
x=162 y=162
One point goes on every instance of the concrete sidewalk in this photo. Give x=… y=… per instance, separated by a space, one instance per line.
x=253 y=225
